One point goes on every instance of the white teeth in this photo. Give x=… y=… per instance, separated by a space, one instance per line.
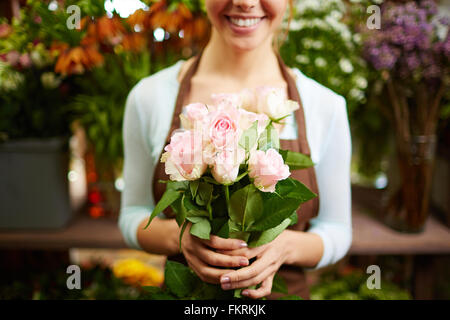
x=244 y=22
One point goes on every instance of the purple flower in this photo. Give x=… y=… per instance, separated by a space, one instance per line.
x=407 y=43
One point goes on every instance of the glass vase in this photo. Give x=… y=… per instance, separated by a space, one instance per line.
x=407 y=206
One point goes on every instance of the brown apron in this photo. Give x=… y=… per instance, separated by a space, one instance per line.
x=294 y=276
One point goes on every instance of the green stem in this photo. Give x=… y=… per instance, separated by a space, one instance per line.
x=227 y=197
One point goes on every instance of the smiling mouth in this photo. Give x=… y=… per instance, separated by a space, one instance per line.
x=244 y=22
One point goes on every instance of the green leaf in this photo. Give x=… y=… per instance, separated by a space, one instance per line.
x=276 y=210
x=166 y=200
x=296 y=160
x=279 y=285
x=179 y=279
x=269 y=235
x=234 y=231
x=292 y=188
x=204 y=194
x=269 y=139
x=217 y=224
x=183 y=228
x=178 y=185
x=294 y=218
x=246 y=206
x=180 y=212
x=193 y=185
x=201 y=228
x=193 y=210
x=210 y=180
x=194 y=219
x=249 y=137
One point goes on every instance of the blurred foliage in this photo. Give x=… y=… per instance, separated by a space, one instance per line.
x=100 y=283
x=353 y=286
x=325 y=43
x=33 y=98
x=97 y=282
x=322 y=45
x=101 y=105
x=89 y=70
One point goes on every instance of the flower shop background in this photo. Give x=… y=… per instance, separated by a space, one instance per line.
x=62 y=96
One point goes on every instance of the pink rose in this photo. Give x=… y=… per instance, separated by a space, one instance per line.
x=12 y=58
x=25 y=60
x=226 y=165
x=223 y=128
x=267 y=168
x=183 y=156
x=193 y=113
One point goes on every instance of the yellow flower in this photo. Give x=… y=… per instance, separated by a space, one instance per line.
x=135 y=272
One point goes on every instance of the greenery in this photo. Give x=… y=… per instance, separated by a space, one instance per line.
x=353 y=286
x=97 y=283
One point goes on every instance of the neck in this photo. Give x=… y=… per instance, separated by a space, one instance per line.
x=243 y=66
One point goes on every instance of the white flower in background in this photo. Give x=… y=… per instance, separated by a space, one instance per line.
x=302 y=59
x=307 y=43
x=10 y=80
x=317 y=44
x=361 y=82
x=346 y=65
x=320 y=62
x=356 y=94
x=336 y=14
x=357 y=38
x=39 y=56
x=49 y=80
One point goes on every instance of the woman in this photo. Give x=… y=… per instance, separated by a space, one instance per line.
x=240 y=55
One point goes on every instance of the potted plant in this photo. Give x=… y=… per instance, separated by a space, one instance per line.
x=34 y=124
x=411 y=52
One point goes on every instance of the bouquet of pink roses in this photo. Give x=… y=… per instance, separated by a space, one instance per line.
x=228 y=175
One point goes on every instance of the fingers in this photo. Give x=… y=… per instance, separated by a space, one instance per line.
x=221 y=260
x=219 y=243
x=205 y=272
x=264 y=290
x=244 y=252
x=254 y=274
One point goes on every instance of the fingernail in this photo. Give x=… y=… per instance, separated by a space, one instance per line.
x=244 y=293
x=243 y=262
x=243 y=245
x=226 y=286
x=225 y=279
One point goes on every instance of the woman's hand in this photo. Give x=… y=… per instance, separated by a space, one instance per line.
x=202 y=257
x=269 y=258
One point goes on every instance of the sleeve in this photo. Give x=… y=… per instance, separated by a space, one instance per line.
x=334 y=221
x=136 y=197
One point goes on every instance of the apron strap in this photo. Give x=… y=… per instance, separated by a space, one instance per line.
x=293 y=94
x=184 y=89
